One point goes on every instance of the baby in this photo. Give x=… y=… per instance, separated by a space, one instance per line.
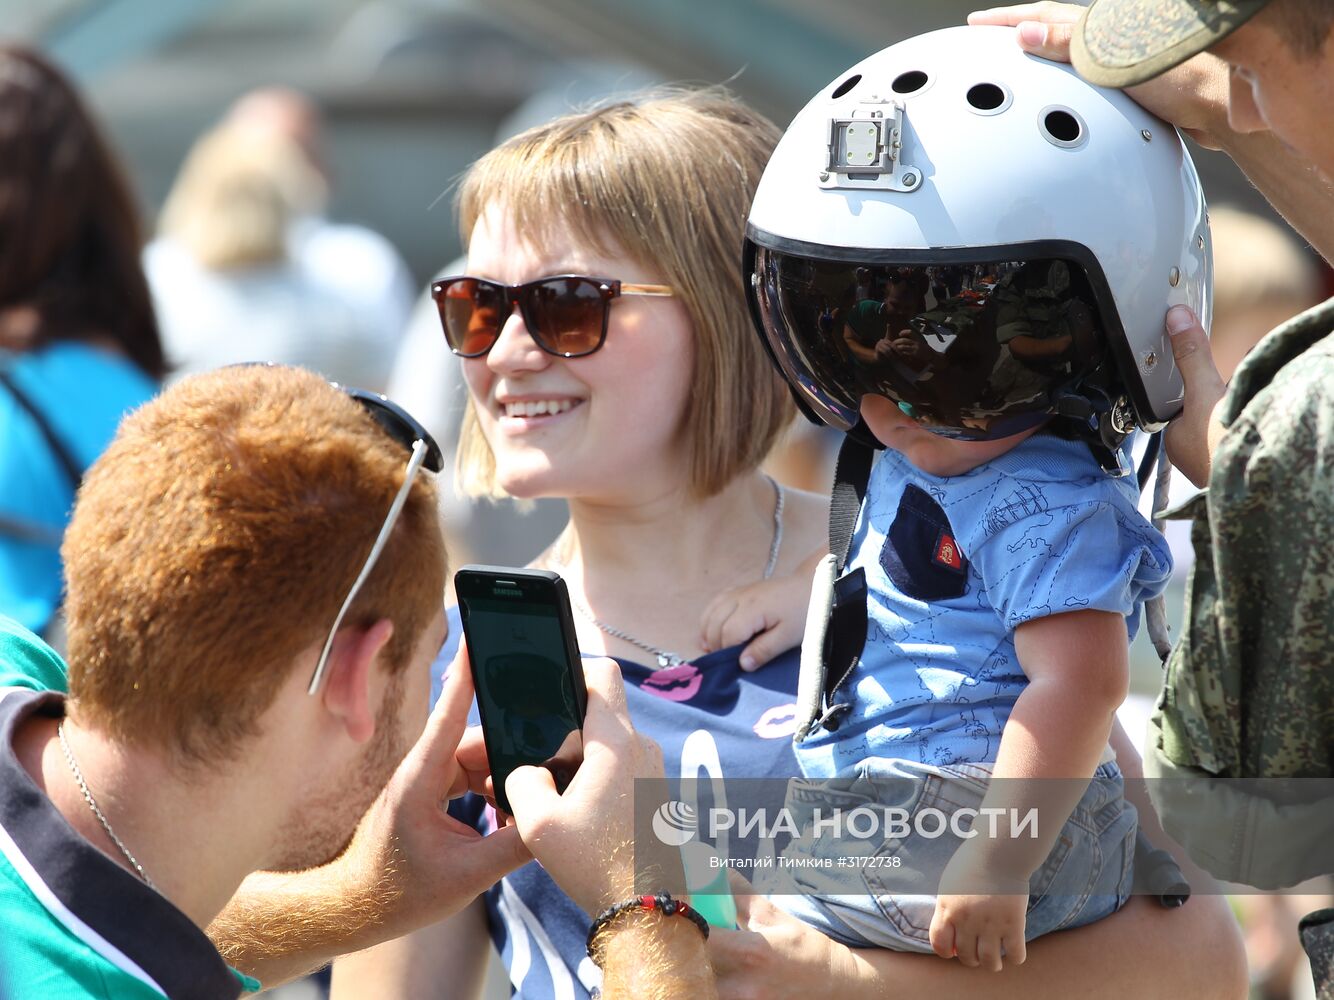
x=1005 y=578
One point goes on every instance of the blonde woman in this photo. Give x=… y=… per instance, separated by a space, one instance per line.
x=609 y=362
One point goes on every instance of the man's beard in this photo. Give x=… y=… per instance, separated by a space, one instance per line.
x=324 y=826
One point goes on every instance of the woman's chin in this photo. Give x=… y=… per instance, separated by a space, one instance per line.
x=528 y=484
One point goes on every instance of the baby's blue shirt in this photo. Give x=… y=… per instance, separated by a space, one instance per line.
x=953 y=565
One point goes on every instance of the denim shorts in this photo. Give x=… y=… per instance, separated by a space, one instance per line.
x=888 y=897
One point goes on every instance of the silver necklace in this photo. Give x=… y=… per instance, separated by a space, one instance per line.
x=92 y=804
x=666 y=658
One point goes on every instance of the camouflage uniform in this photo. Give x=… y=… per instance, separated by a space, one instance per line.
x=1317 y=934
x=1249 y=689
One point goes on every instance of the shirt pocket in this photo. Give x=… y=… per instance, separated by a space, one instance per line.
x=920 y=554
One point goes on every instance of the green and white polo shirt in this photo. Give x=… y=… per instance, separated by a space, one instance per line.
x=75 y=924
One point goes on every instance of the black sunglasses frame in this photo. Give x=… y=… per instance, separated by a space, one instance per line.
x=523 y=297
x=397 y=422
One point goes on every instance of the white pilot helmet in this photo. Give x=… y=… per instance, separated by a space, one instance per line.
x=981 y=236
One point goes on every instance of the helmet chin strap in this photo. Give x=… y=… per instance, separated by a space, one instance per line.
x=1093 y=417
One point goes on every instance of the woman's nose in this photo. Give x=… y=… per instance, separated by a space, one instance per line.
x=515 y=349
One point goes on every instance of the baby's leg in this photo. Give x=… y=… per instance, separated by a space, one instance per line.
x=866 y=869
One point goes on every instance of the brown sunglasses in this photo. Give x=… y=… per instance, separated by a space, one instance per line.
x=566 y=314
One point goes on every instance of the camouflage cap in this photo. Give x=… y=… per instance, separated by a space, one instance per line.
x=1118 y=43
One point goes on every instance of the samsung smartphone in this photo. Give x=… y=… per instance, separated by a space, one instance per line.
x=526 y=669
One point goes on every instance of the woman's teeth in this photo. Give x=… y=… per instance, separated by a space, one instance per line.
x=537 y=408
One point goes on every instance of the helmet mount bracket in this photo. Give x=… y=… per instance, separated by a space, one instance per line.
x=866 y=150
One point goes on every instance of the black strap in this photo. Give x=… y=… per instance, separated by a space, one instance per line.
x=851 y=475
x=846 y=635
x=62 y=454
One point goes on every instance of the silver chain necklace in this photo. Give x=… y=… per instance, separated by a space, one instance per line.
x=666 y=658
x=92 y=804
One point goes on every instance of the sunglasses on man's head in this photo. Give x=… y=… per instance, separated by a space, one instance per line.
x=400 y=425
x=566 y=314
x=407 y=431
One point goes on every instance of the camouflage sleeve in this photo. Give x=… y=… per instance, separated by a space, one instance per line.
x=1250 y=690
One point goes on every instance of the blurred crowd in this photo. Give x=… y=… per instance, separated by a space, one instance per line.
x=244 y=265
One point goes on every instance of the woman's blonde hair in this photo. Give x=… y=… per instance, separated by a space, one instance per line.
x=667 y=179
x=235 y=197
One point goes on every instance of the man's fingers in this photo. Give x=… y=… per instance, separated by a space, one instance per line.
x=1050 y=13
x=608 y=718
x=456 y=696
x=1187 y=437
x=474 y=767
x=434 y=750
x=483 y=861
x=1016 y=949
x=1049 y=41
x=1190 y=348
x=532 y=793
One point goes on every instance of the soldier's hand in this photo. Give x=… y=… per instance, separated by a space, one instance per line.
x=1192 y=96
x=1192 y=436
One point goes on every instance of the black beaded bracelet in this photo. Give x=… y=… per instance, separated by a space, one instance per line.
x=663 y=902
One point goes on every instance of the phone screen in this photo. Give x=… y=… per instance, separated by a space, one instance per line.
x=526 y=687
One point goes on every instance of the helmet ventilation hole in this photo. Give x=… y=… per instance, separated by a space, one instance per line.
x=1062 y=127
x=843 y=88
x=909 y=82
x=986 y=96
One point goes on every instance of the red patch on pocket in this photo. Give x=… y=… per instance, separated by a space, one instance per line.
x=947 y=552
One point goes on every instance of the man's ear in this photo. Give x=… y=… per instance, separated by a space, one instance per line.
x=349 y=690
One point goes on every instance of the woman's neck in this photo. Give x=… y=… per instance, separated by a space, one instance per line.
x=651 y=567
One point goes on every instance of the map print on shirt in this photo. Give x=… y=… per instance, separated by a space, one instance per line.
x=1040 y=530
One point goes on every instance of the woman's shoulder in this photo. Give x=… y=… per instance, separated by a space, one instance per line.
x=805 y=525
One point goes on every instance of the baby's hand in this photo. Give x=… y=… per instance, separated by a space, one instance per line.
x=985 y=923
x=979 y=930
x=772 y=613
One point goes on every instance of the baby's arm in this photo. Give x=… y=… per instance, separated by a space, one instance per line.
x=772 y=611
x=1078 y=670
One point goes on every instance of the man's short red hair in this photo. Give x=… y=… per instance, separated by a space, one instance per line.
x=216 y=539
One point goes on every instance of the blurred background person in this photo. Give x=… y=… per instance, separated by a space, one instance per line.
x=227 y=280
x=360 y=265
x=1263 y=276
x=79 y=345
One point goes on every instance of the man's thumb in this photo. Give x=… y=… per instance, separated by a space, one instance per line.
x=1190 y=347
x=532 y=794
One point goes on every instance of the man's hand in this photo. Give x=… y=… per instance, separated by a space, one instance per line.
x=583 y=838
x=1192 y=96
x=434 y=864
x=408 y=865
x=1192 y=436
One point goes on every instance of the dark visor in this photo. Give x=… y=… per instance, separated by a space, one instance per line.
x=969 y=350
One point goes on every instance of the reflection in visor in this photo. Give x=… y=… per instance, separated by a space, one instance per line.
x=968 y=350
